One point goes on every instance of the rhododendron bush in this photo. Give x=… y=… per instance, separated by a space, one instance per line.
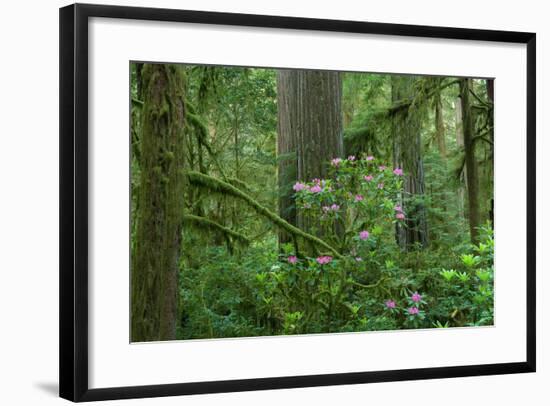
x=351 y=207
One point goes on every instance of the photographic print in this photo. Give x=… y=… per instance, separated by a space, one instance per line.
x=269 y=202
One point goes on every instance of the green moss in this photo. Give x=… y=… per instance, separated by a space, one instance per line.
x=217 y=185
x=207 y=223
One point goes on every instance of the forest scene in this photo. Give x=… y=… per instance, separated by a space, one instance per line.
x=284 y=201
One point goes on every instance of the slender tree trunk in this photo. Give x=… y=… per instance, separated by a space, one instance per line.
x=461 y=192
x=490 y=84
x=310 y=121
x=470 y=160
x=156 y=252
x=407 y=153
x=286 y=147
x=440 y=126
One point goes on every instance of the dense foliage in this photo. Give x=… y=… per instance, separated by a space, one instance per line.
x=342 y=256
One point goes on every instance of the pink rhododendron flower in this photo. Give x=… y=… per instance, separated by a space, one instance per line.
x=369 y=158
x=416 y=297
x=364 y=235
x=317 y=181
x=398 y=208
x=299 y=186
x=398 y=171
x=335 y=162
x=413 y=310
x=325 y=259
x=335 y=207
x=315 y=189
x=382 y=167
x=292 y=259
x=400 y=216
x=380 y=186
x=358 y=198
x=351 y=158
x=368 y=178
x=390 y=304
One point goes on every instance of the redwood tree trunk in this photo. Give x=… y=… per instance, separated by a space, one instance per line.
x=470 y=160
x=407 y=154
x=310 y=123
x=155 y=254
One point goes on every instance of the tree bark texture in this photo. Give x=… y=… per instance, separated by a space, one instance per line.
x=310 y=123
x=472 y=180
x=155 y=254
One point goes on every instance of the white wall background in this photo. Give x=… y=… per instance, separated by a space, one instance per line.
x=29 y=203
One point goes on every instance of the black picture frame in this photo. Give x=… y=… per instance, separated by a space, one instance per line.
x=73 y=254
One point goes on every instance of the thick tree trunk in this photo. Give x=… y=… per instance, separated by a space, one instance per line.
x=407 y=153
x=155 y=255
x=310 y=122
x=470 y=160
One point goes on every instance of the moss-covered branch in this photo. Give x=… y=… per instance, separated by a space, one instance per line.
x=405 y=104
x=217 y=185
x=202 y=132
x=207 y=223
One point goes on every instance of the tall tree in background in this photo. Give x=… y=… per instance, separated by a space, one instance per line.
x=287 y=87
x=461 y=191
x=310 y=121
x=470 y=159
x=407 y=154
x=439 y=123
x=155 y=253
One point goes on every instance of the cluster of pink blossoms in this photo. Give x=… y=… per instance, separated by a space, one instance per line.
x=292 y=259
x=298 y=186
x=399 y=215
x=336 y=162
x=398 y=171
x=315 y=189
x=333 y=207
x=325 y=259
x=413 y=310
x=363 y=235
x=390 y=304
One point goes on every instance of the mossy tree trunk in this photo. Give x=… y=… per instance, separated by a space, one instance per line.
x=156 y=251
x=470 y=159
x=310 y=123
x=407 y=154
